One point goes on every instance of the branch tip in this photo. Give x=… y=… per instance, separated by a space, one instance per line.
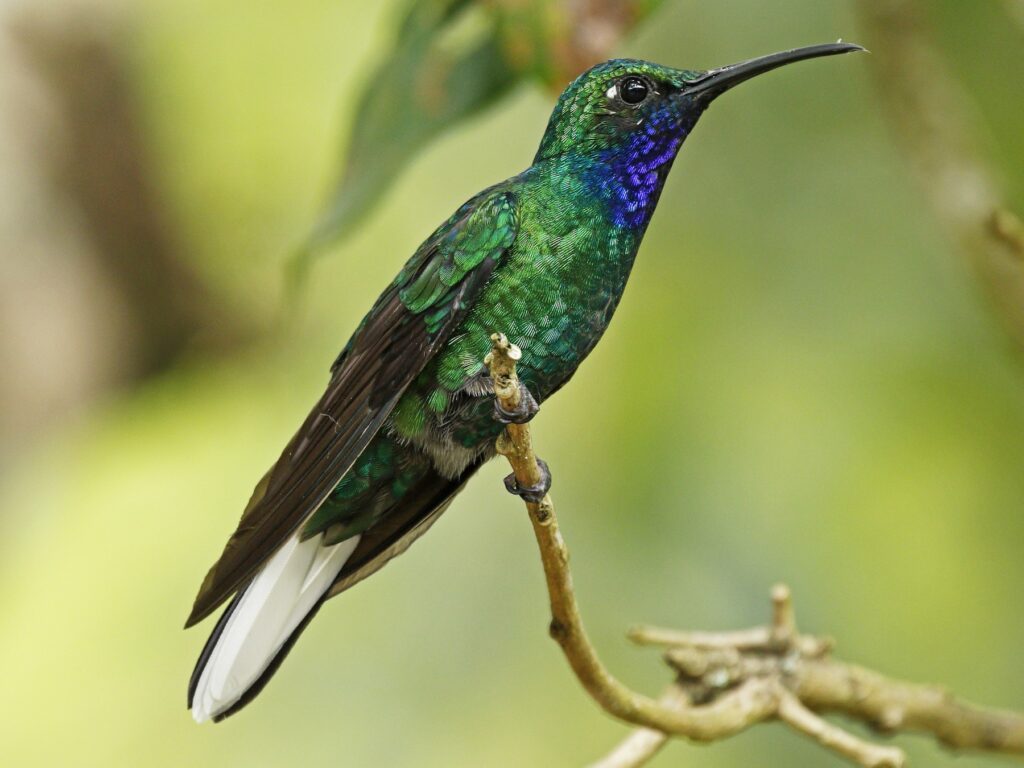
x=783 y=615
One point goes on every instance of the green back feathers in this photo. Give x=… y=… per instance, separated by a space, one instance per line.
x=482 y=229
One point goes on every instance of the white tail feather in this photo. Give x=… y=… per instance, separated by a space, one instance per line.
x=273 y=605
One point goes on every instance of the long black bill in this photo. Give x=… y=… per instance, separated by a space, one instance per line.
x=718 y=81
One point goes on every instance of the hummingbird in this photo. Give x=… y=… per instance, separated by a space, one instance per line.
x=409 y=414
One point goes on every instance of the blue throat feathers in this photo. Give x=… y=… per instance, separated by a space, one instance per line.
x=629 y=177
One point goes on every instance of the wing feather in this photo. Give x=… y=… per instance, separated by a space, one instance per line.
x=407 y=326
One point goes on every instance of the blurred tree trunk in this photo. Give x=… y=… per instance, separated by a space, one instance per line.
x=95 y=291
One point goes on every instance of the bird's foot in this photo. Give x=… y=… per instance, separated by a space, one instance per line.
x=534 y=493
x=525 y=411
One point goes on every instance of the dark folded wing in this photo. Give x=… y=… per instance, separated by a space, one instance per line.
x=409 y=323
x=415 y=513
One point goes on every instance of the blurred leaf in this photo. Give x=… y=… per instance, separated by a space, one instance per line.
x=452 y=59
x=555 y=42
x=445 y=66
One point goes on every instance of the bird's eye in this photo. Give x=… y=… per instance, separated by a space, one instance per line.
x=633 y=90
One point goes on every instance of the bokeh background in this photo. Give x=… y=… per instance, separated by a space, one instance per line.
x=805 y=383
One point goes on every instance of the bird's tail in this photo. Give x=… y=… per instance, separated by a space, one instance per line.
x=262 y=621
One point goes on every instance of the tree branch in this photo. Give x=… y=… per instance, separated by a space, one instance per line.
x=728 y=681
x=934 y=119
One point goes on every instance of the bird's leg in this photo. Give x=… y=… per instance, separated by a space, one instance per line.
x=533 y=493
x=522 y=413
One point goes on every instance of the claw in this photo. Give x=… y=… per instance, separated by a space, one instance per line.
x=526 y=410
x=534 y=493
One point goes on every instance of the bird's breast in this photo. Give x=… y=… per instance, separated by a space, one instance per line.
x=557 y=295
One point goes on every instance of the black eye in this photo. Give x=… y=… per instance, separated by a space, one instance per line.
x=633 y=90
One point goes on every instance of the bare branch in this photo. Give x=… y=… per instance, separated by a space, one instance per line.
x=728 y=681
x=934 y=119
x=643 y=743
x=755 y=639
x=890 y=705
x=800 y=718
x=731 y=714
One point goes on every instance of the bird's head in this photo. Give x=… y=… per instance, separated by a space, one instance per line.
x=633 y=105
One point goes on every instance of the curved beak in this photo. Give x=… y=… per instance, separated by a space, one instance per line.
x=717 y=81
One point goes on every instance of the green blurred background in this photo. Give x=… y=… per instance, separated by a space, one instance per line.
x=803 y=383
